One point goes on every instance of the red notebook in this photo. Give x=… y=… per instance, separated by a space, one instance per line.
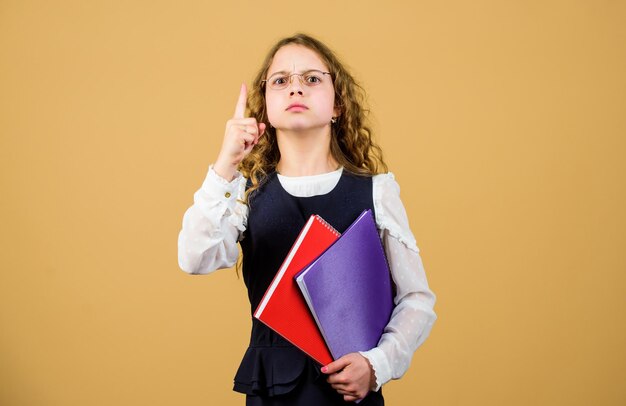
x=283 y=308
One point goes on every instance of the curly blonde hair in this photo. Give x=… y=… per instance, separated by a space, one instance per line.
x=351 y=144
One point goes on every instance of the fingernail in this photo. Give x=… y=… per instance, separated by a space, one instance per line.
x=324 y=369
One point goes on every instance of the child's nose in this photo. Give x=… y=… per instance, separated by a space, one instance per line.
x=295 y=84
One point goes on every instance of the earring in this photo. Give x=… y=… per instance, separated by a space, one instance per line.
x=333 y=120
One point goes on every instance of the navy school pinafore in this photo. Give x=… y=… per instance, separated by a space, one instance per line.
x=273 y=371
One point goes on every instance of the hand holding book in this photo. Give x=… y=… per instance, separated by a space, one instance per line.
x=351 y=376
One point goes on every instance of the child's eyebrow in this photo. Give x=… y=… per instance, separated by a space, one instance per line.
x=280 y=71
x=284 y=72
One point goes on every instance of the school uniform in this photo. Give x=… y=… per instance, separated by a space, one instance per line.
x=273 y=371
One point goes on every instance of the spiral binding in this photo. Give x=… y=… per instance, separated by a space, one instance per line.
x=325 y=223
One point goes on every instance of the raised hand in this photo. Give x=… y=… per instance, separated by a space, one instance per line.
x=240 y=136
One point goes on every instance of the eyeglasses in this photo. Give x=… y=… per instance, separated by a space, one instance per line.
x=282 y=80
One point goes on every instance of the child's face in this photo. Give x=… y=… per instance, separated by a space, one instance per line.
x=319 y=101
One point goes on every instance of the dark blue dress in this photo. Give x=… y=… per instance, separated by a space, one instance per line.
x=273 y=371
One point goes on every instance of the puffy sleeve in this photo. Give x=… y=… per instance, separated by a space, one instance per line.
x=213 y=225
x=413 y=315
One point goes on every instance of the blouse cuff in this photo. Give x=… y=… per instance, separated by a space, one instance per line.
x=223 y=198
x=378 y=361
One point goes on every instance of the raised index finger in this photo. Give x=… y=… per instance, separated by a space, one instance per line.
x=240 y=109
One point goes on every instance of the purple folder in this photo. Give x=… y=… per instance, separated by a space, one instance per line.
x=348 y=289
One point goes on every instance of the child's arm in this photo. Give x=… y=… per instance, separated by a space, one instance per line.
x=413 y=315
x=213 y=225
x=216 y=221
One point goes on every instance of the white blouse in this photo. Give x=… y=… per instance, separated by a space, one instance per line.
x=214 y=224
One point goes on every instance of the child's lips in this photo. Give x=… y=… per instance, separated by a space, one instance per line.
x=297 y=107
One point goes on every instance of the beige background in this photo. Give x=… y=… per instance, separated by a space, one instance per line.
x=503 y=121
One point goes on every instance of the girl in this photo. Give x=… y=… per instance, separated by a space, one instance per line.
x=304 y=149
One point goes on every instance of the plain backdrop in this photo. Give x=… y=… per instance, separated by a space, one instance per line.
x=503 y=121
